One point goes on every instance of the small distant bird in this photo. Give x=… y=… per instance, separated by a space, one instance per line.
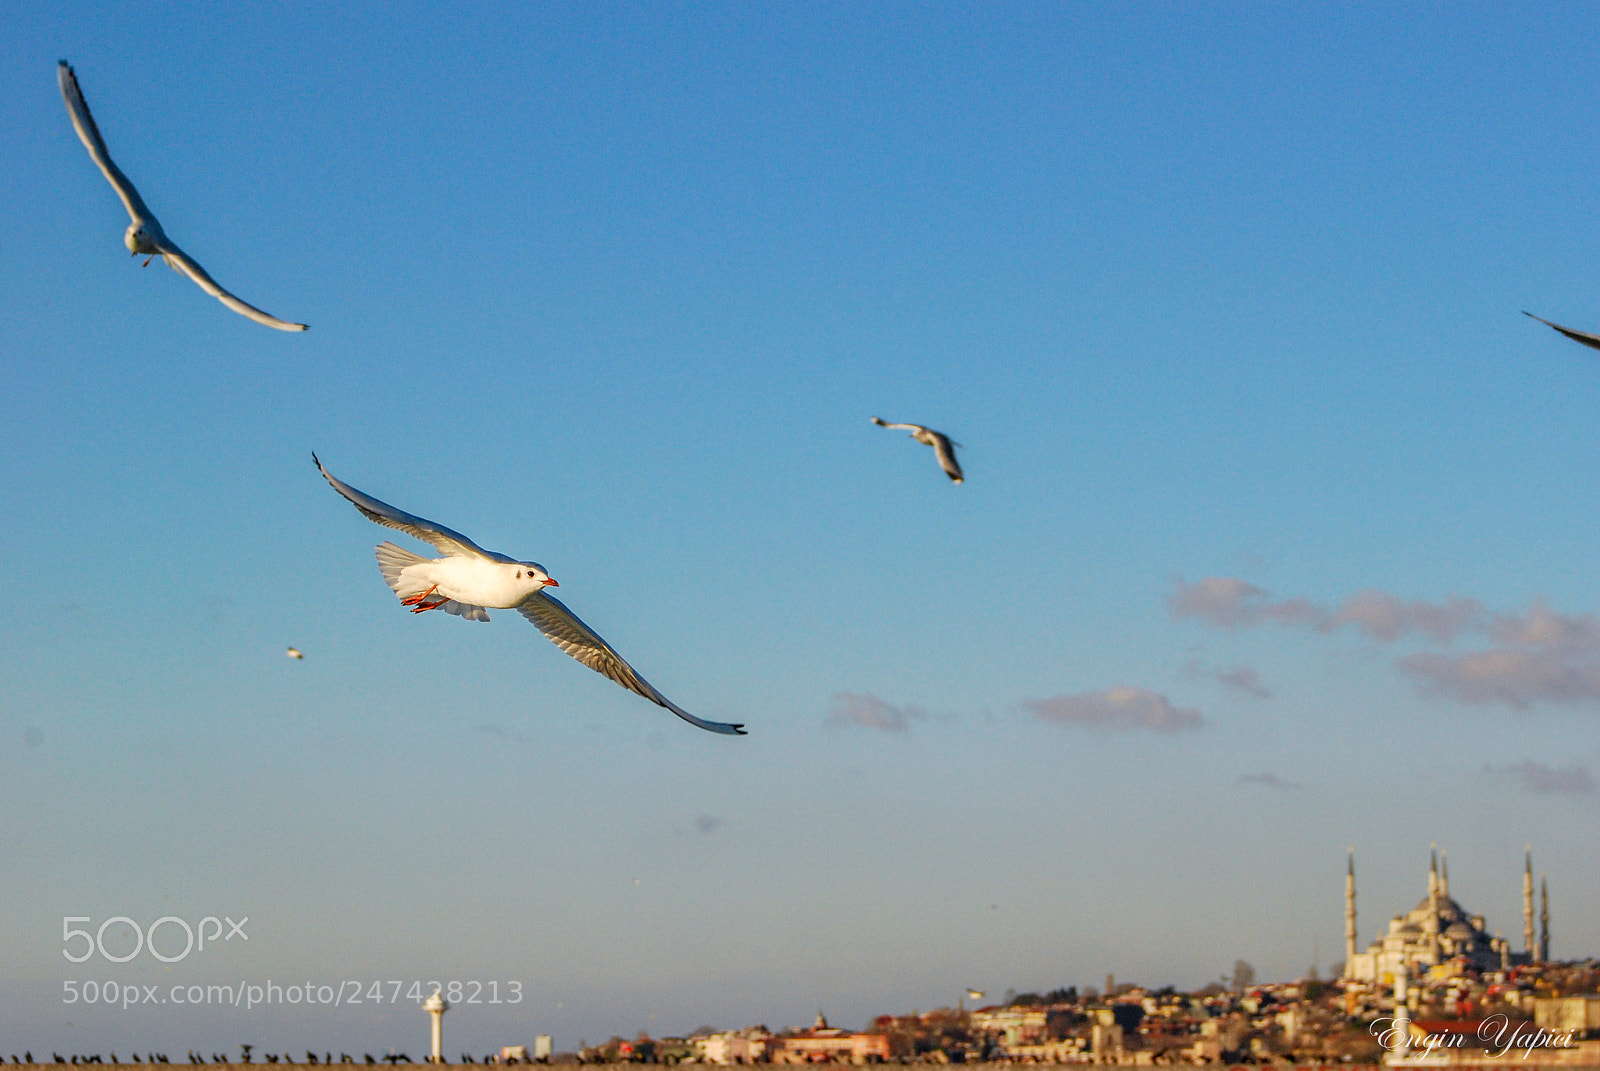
x=294 y=652
x=943 y=448
x=468 y=579
x=144 y=234
x=1576 y=336
x=975 y=994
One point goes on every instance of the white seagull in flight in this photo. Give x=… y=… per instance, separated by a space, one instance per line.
x=1576 y=336
x=468 y=579
x=144 y=233
x=943 y=448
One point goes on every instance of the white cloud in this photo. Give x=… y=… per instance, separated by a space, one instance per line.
x=1244 y=679
x=1229 y=602
x=1239 y=678
x=1517 y=677
x=1121 y=708
x=866 y=711
x=1530 y=657
x=1386 y=618
x=1266 y=780
x=1537 y=777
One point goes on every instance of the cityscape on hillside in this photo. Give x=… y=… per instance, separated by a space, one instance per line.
x=1436 y=988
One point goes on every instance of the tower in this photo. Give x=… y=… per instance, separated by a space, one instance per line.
x=1350 y=911
x=1444 y=876
x=436 y=1006
x=1527 y=903
x=1430 y=925
x=1544 y=919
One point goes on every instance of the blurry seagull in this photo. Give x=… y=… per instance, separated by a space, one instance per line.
x=144 y=233
x=1576 y=336
x=468 y=579
x=943 y=448
x=294 y=652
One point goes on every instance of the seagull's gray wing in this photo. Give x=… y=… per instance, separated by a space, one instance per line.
x=946 y=453
x=551 y=617
x=1576 y=336
x=89 y=134
x=186 y=264
x=907 y=427
x=451 y=542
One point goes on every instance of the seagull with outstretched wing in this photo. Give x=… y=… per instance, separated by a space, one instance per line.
x=468 y=581
x=1576 y=336
x=943 y=448
x=144 y=234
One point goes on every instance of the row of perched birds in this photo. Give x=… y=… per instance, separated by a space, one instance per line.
x=272 y=1058
x=468 y=580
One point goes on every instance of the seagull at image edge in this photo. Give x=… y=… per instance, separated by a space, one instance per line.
x=144 y=234
x=1576 y=336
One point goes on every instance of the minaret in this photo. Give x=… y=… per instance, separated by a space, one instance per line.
x=1444 y=876
x=1544 y=919
x=1430 y=925
x=1527 y=902
x=1350 y=912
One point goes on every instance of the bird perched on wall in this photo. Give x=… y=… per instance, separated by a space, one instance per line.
x=943 y=448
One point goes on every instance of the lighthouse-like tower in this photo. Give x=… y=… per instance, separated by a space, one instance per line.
x=1350 y=911
x=436 y=1006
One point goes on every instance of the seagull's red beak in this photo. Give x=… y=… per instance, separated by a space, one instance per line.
x=549 y=583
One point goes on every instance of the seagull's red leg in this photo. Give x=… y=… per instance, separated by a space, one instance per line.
x=425 y=606
x=412 y=600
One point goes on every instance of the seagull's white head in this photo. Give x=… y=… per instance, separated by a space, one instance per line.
x=138 y=239
x=532 y=576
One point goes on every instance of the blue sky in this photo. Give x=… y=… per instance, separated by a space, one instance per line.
x=1277 y=537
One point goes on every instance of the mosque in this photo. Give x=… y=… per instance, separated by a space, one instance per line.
x=1438 y=933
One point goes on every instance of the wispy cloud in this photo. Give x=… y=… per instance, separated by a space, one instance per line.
x=1246 y=680
x=1122 y=708
x=500 y=732
x=1571 y=780
x=1532 y=656
x=1240 y=678
x=866 y=711
x=1266 y=780
x=1386 y=618
x=706 y=823
x=1231 y=603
